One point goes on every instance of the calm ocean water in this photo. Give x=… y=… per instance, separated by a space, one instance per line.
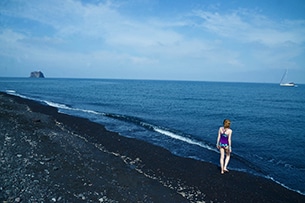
x=267 y=120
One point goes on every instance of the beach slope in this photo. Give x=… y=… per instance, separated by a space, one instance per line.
x=48 y=156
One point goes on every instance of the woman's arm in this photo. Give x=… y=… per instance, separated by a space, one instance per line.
x=230 y=141
x=218 y=139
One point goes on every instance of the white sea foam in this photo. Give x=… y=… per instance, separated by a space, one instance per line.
x=63 y=106
x=57 y=105
x=49 y=103
x=11 y=91
x=183 y=139
x=89 y=111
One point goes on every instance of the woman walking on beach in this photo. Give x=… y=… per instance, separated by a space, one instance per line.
x=224 y=145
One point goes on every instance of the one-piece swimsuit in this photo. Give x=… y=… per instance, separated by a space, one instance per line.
x=224 y=142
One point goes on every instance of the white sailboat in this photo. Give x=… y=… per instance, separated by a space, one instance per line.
x=286 y=84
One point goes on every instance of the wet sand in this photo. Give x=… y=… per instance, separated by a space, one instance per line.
x=46 y=156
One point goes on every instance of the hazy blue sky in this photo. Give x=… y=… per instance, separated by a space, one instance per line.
x=206 y=40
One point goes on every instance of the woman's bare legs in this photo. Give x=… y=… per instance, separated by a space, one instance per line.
x=224 y=161
x=222 y=156
x=227 y=160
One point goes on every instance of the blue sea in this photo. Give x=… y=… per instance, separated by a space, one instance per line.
x=184 y=116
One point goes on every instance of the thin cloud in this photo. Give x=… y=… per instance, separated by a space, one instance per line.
x=252 y=27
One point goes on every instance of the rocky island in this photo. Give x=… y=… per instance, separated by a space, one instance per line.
x=36 y=74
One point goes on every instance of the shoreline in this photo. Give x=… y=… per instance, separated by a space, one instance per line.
x=83 y=161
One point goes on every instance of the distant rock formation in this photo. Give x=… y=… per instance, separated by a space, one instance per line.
x=36 y=74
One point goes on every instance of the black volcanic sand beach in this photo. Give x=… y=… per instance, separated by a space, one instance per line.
x=47 y=156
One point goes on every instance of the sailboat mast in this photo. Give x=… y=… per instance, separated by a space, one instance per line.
x=283 y=77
